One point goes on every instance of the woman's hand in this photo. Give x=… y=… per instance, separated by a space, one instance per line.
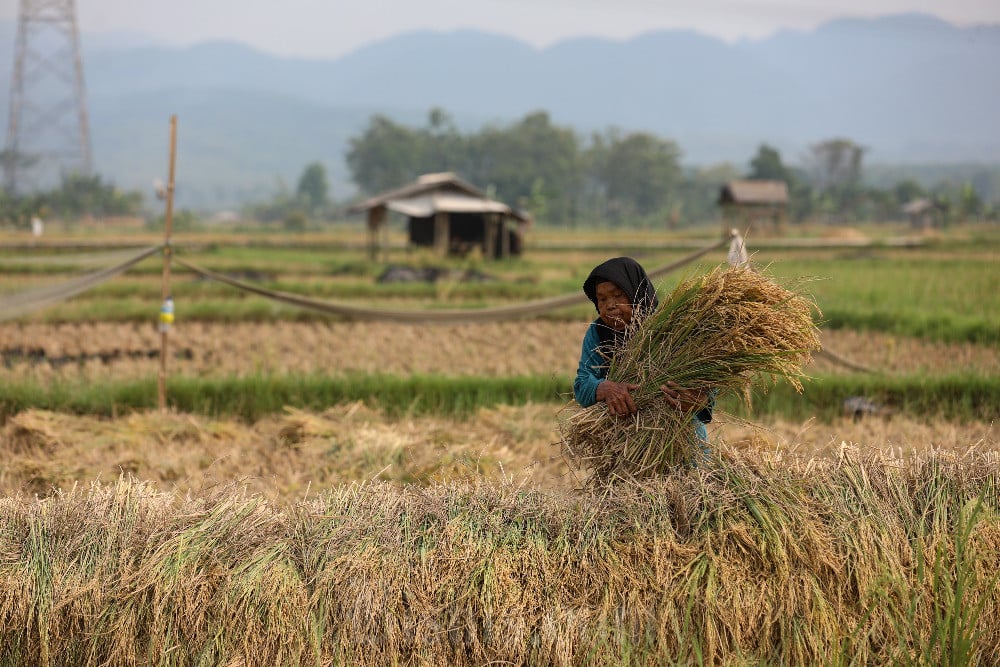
x=618 y=397
x=684 y=400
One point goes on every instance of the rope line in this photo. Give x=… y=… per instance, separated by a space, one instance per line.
x=830 y=355
x=80 y=260
x=20 y=303
x=528 y=309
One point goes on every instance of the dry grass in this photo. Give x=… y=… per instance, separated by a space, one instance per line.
x=285 y=456
x=745 y=560
x=281 y=457
x=339 y=347
x=894 y=435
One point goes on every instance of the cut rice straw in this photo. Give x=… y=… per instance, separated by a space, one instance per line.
x=725 y=332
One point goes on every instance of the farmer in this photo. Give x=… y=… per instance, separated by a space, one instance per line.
x=622 y=293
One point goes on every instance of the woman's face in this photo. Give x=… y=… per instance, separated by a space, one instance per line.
x=614 y=306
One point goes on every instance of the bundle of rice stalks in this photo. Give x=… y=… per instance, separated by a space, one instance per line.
x=721 y=333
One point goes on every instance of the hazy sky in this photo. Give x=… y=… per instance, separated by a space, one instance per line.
x=330 y=28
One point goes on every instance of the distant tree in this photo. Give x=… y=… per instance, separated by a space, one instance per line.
x=442 y=146
x=970 y=205
x=641 y=172
x=385 y=156
x=530 y=159
x=77 y=195
x=532 y=162
x=439 y=119
x=836 y=164
x=906 y=191
x=18 y=210
x=801 y=196
x=313 y=190
x=698 y=192
x=282 y=201
x=537 y=204
x=767 y=165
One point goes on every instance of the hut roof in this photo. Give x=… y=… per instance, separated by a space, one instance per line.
x=918 y=206
x=758 y=192
x=439 y=192
x=426 y=205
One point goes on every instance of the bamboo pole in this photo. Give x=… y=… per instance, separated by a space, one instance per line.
x=166 y=318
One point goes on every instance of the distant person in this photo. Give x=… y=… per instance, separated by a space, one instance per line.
x=37 y=226
x=622 y=292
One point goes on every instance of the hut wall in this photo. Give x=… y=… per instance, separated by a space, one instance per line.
x=421 y=231
x=468 y=230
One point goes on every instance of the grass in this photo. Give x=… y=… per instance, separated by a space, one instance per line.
x=251 y=397
x=943 y=290
x=743 y=559
x=920 y=293
x=254 y=396
x=948 y=327
x=952 y=397
x=282 y=456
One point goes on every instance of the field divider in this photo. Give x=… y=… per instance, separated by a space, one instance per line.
x=500 y=313
x=20 y=303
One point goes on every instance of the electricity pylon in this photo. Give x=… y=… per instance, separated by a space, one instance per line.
x=47 y=131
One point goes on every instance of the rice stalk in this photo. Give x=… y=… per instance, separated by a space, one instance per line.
x=722 y=333
x=761 y=560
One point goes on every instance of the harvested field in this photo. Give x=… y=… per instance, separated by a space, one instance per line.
x=745 y=560
x=285 y=456
x=403 y=522
x=122 y=350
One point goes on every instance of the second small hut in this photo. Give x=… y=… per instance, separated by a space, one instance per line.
x=758 y=204
x=449 y=214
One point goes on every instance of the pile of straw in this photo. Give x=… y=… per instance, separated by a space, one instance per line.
x=861 y=559
x=722 y=333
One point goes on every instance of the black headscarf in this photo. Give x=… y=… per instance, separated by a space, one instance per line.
x=630 y=278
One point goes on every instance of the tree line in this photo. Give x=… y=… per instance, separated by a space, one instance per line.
x=560 y=177
x=76 y=196
x=617 y=177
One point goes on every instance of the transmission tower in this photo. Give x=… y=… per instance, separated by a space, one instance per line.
x=47 y=131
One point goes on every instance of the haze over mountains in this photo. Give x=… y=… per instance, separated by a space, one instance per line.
x=910 y=87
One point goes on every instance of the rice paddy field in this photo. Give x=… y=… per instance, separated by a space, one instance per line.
x=335 y=492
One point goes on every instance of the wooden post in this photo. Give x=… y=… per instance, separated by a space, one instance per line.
x=384 y=242
x=504 y=238
x=376 y=223
x=442 y=232
x=168 y=221
x=490 y=233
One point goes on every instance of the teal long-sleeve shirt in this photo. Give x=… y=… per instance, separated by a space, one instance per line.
x=593 y=370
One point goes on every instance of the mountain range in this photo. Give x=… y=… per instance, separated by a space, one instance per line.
x=911 y=88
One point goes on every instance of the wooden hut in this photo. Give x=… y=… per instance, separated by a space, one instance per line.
x=757 y=204
x=924 y=213
x=449 y=214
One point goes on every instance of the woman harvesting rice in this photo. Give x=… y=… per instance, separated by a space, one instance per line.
x=623 y=295
x=721 y=332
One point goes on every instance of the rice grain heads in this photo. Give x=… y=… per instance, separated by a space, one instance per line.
x=722 y=332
